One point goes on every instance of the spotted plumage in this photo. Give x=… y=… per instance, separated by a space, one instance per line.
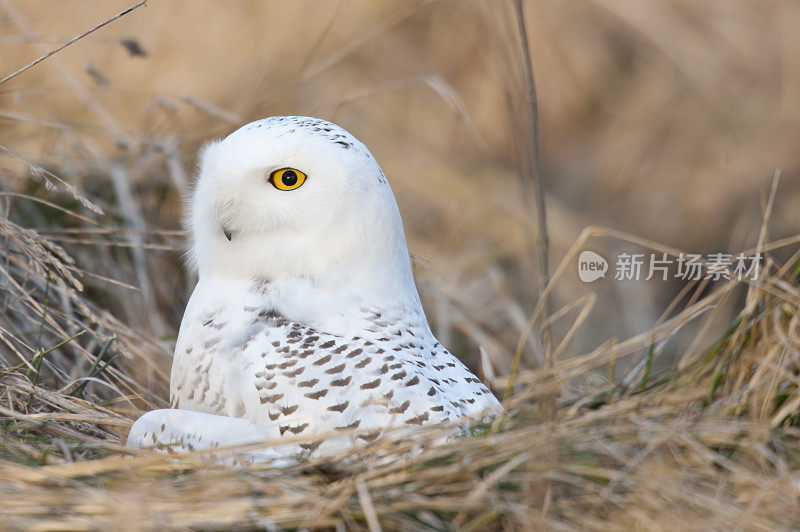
x=305 y=319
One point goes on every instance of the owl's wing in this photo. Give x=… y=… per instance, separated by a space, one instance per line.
x=294 y=380
x=308 y=382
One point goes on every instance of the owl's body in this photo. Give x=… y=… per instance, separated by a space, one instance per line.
x=305 y=319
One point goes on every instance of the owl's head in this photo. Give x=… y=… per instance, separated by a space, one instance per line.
x=296 y=198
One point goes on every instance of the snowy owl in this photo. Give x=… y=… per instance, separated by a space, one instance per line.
x=305 y=319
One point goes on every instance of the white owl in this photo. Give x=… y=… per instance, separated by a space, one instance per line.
x=305 y=319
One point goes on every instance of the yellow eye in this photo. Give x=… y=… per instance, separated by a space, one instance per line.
x=287 y=179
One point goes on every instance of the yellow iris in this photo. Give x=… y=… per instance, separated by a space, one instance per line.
x=287 y=179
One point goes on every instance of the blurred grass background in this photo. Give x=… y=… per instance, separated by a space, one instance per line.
x=661 y=118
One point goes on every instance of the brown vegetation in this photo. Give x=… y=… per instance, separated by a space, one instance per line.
x=666 y=405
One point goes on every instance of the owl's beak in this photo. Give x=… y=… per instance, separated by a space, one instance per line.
x=228 y=233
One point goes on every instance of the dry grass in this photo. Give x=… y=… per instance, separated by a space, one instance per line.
x=666 y=406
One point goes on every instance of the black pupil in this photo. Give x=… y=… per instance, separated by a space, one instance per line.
x=289 y=178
